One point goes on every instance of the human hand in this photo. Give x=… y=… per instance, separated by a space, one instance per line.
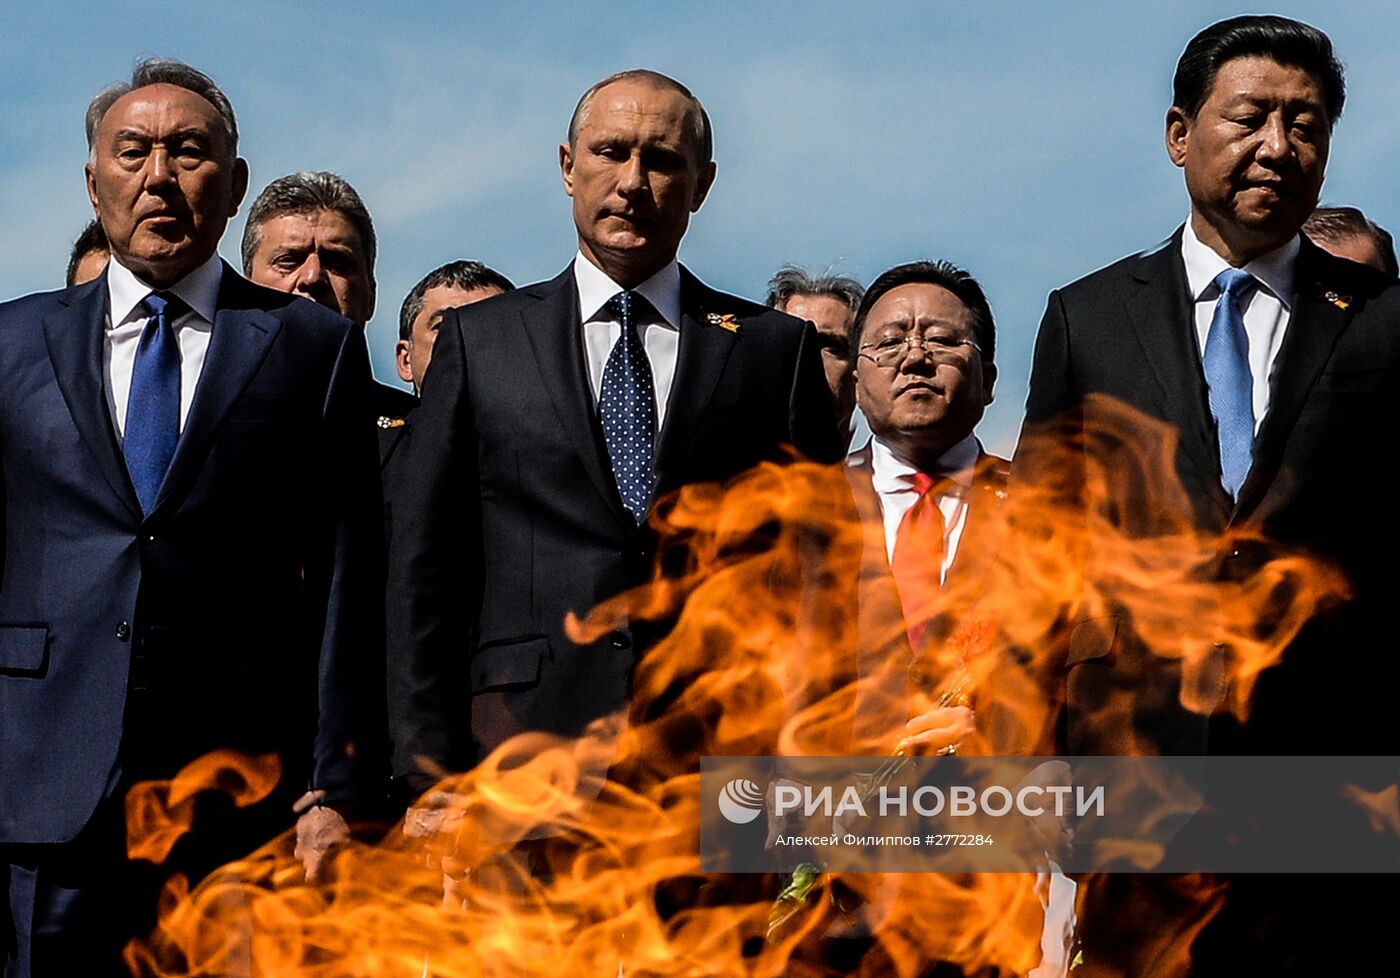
x=319 y=830
x=936 y=730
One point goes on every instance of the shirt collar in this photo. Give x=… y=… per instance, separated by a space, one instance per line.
x=199 y=290
x=890 y=473
x=1273 y=270
x=595 y=288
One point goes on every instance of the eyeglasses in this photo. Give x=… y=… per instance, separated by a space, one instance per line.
x=942 y=347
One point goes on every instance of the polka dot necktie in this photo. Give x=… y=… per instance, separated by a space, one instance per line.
x=1226 y=363
x=153 y=405
x=917 y=563
x=627 y=405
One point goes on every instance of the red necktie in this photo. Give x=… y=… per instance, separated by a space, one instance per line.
x=917 y=563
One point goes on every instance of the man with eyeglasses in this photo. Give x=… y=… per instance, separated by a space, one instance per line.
x=927 y=495
x=925 y=341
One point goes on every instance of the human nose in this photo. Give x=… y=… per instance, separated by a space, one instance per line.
x=1274 y=143
x=632 y=177
x=159 y=170
x=916 y=351
x=310 y=274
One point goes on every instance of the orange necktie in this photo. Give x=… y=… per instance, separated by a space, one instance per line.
x=918 y=560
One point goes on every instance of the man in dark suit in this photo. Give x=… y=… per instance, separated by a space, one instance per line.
x=190 y=529
x=552 y=417
x=1274 y=366
x=310 y=234
x=458 y=283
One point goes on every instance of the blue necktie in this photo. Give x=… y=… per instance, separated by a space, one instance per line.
x=627 y=405
x=153 y=407
x=1231 y=384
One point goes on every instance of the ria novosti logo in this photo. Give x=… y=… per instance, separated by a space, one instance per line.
x=741 y=801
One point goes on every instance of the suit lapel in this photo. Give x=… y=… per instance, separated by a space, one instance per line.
x=1163 y=319
x=701 y=355
x=238 y=343
x=553 y=328
x=1314 y=326
x=980 y=537
x=75 y=336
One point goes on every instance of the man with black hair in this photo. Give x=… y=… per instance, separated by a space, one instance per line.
x=458 y=283
x=1275 y=365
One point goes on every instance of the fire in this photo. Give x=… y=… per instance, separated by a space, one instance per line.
x=547 y=868
x=158 y=813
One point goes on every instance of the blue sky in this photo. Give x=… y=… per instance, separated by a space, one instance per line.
x=1022 y=141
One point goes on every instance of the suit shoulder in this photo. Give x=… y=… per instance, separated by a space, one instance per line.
x=994 y=471
x=1348 y=279
x=239 y=293
x=1115 y=275
x=504 y=307
x=36 y=304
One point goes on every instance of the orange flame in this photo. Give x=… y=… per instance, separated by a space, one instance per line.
x=545 y=868
x=158 y=813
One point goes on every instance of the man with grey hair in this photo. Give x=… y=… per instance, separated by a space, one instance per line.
x=829 y=302
x=309 y=233
x=190 y=533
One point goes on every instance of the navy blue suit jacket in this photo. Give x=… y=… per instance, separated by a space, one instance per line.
x=232 y=609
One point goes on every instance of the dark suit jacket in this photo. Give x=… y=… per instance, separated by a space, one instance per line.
x=1127 y=331
x=387 y=401
x=890 y=670
x=220 y=619
x=509 y=517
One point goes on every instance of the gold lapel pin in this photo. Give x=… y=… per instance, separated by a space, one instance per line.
x=387 y=422
x=1340 y=301
x=723 y=321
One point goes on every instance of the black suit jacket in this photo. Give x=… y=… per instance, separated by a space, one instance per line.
x=509 y=518
x=231 y=614
x=1127 y=332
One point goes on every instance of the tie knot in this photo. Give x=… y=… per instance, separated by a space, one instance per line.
x=622 y=305
x=163 y=303
x=923 y=483
x=1234 y=282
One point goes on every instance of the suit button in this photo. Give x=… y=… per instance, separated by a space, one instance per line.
x=123 y=631
x=620 y=640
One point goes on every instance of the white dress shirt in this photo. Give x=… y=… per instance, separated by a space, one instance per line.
x=601 y=331
x=893 y=480
x=1266 y=312
x=126 y=318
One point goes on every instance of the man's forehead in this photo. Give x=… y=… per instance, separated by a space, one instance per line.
x=323 y=226
x=633 y=100
x=1244 y=77
x=159 y=105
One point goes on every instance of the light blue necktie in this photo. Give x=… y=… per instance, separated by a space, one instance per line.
x=1231 y=384
x=627 y=404
x=153 y=407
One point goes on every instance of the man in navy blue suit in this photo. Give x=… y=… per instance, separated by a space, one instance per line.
x=189 y=502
